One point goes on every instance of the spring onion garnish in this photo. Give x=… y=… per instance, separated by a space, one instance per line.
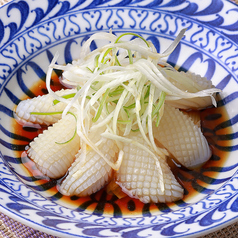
x=46 y=113
x=71 y=95
x=54 y=113
x=100 y=108
x=133 y=34
x=123 y=87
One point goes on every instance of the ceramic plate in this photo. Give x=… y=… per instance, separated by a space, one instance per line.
x=31 y=32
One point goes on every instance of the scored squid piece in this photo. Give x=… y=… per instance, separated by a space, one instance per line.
x=90 y=172
x=140 y=177
x=54 y=150
x=182 y=138
x=44 y=104
x=192 y=83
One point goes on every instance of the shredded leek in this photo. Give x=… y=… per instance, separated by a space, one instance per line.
x=71 y=95
x=46 y=113
x=121 y=87
x=158 y=108
x=101 y=106
x=133 y=34
x=75 y=132
x=55 y=113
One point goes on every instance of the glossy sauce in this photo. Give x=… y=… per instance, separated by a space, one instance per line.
x=194 y=181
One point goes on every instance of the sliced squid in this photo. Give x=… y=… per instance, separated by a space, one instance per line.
x=90 y=172
x=182 y=138
x=191 y=83
x=120 y=87
x=140 y=175
x=54 y=150
x=195 y=116
x=44 y=104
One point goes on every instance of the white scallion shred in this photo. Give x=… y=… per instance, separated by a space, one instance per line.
x=123 y=87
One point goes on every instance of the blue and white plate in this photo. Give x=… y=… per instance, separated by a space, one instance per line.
x=32 y=31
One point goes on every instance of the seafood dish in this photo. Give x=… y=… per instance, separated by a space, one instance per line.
x=121 y=115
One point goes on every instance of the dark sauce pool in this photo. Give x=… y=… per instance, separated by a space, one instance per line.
x=215 y=126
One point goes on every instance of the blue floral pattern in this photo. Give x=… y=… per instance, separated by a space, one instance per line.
x=31 y=31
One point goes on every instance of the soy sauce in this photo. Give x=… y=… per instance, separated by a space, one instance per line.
x=194 y=182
